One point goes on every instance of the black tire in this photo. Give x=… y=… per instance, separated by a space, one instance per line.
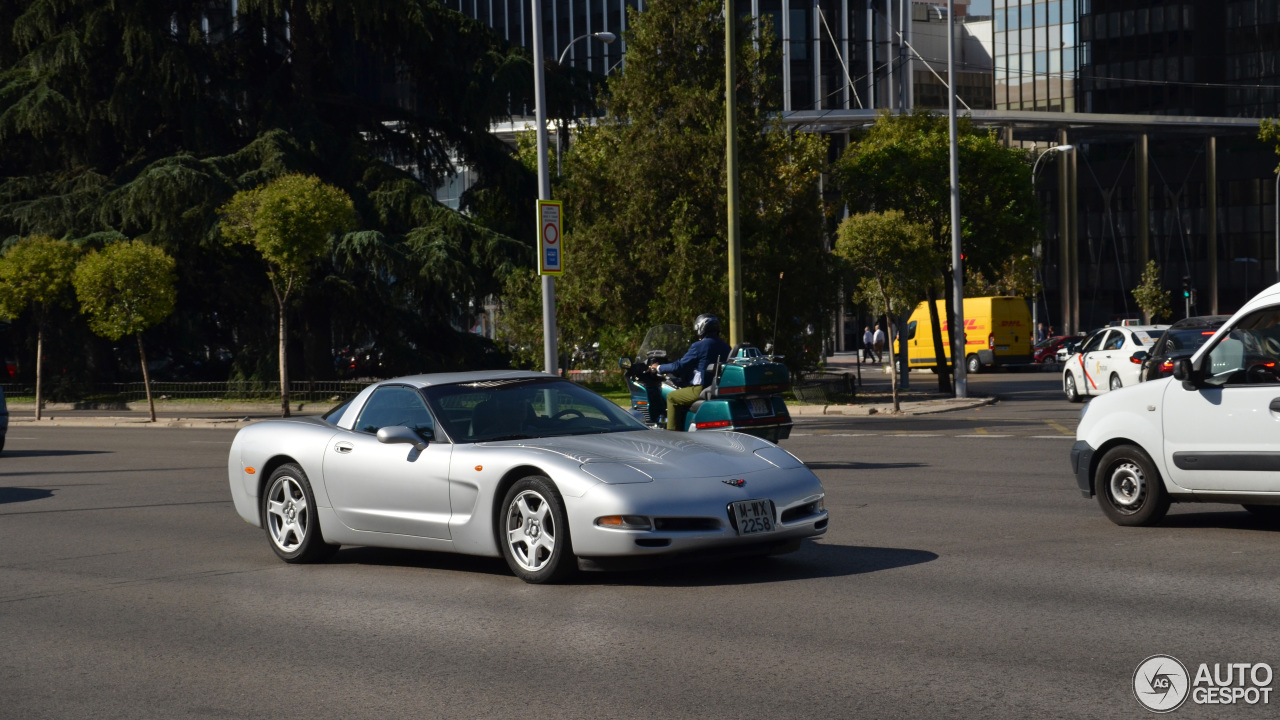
x=523 y=529
x=1 y=443
x=1267 y=513
x=1114 y=383
x=1069 y=387
x=973 y=365
x=1129 y=488
x=289 y=517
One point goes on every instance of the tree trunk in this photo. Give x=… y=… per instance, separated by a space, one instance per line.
x=284 y=360
x=893 y=366
x=944 y=376
x=146 y=378
x=39 y=364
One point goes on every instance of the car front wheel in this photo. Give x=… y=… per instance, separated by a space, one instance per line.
x=1069 y=387
x=1115 y=383
x=289 y=515
x=1128 y=487
x=535 y=532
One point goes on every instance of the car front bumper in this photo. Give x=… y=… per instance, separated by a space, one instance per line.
x=1081 y=463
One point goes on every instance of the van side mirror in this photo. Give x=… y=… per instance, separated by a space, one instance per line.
x=1184 y=371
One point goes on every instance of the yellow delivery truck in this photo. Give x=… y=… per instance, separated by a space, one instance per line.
x=998 y=332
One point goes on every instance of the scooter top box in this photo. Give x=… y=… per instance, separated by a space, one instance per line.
x=753 y=375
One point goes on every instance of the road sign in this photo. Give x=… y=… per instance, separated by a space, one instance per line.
x=550 y=242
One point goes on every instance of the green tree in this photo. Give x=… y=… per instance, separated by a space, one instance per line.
x=1269 y=132
x=290 y=222
x=902 y=163
x=1151 y=295
x=645 y=205
x=124 y=289
x=36 y=273
x=895 y=260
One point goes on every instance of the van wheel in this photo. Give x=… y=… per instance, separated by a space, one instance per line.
x=1069 y=387
x=973 y=365
x=1128 y=487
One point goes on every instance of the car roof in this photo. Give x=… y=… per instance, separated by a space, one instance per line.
x=1141 y=328
x=431 y=379
x=1200 y=321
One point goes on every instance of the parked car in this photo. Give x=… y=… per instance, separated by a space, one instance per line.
x=1069 y=347
x=1047 y=350
x=1181 y=340
x=1206 y=434
x=1107 y=360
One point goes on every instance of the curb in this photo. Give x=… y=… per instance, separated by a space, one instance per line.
x=908 y=408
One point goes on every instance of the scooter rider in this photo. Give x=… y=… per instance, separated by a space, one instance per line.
x=692 y=367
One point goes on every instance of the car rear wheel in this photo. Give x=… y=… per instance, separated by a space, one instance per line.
x=1269 y=513
x=1128 y=487
x=1115 y=383
x=1069 y=387
x=973 y=365
x=535 y=532
x=289 y=516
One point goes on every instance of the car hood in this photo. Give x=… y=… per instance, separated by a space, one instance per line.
x=660 y=453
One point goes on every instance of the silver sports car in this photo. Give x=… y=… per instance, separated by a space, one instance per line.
x=521 y=464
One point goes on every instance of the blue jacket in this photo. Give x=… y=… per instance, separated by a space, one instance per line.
x=707 y=350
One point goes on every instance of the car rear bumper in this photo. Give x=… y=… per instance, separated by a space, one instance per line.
x=1081 y=463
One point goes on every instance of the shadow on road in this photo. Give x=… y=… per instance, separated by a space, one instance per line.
x=419 y=559
x=21 y=494
x=813 y=560
x=820 y=465
x=1238 y=520
x=52 y=453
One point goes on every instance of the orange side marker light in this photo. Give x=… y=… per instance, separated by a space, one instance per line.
x=479 y=468
x=250 y=471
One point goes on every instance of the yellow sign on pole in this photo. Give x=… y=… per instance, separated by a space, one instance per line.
x=550 y=241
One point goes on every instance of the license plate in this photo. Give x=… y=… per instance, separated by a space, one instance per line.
x=759 y=407
x=753 y=516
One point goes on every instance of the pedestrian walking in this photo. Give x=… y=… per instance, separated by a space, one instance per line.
x=1040 y=333
x=877 y=341
x=866 y=344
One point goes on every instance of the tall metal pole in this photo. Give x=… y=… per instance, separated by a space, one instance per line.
x=958 y=340
x=731 y=177
x=550 y=359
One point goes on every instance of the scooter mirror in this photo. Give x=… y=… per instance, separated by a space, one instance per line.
x=624 y=363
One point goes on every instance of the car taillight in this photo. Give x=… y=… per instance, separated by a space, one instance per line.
x=1166 y=366
x=991 y=340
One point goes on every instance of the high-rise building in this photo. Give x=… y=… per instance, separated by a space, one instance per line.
x=1035 y=51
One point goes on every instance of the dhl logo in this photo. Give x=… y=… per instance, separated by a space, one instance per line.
x=968 y=325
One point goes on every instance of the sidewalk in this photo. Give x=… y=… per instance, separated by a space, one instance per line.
x=875 y=396
x=173 y=414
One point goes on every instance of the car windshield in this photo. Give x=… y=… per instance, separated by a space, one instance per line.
x=1187 y=340
x=523 y=408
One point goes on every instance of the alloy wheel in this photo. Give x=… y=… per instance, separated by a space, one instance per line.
x=531 y=530
x=288 y=515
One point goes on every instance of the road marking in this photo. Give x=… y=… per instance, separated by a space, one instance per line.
x=1057 y=426
x=1054 y=437
x=854 y=434
x=801 y=434
x=912 y=435
x=12 y=437
x=211 y=442
x=985 y=435
x=979 y=431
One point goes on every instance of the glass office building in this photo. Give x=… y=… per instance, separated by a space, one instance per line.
x=1036 y=54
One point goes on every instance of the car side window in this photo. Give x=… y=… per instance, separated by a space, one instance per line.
x=1114 y=341
x=1248 y=354
x=396 y=405
x=1093 y=343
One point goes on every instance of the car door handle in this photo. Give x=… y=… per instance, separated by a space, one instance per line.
x=344 y=447
x=1275 y=405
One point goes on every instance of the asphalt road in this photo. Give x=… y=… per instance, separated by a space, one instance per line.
x=963 y=576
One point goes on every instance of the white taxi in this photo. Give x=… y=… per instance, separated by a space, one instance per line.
x=1207 y=434
x=1106 y=361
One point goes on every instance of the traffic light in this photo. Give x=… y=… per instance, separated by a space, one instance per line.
x=1186 y=287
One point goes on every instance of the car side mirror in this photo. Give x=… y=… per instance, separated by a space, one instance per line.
x=400 y=434
x=1139 y=357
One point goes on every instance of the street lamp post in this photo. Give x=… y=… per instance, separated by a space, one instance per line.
x=550 y=361
x=959 y=342
x=1035 y=305
x=605 y=37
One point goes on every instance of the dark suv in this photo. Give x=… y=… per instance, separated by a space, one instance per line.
x=1181 y=340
